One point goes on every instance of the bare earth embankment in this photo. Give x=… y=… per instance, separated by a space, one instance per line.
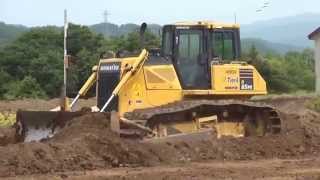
x=87 y=149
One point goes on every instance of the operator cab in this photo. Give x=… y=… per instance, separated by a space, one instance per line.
x=194 y=47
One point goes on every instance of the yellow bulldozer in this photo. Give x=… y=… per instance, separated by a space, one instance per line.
x=194 y=82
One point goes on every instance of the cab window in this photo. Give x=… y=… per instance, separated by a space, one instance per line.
x=223 y=45
x=189 y=46
x=167 y=43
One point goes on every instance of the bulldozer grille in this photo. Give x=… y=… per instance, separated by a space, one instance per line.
x=108 y=78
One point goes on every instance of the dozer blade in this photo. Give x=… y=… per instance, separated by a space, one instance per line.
x=38 y=125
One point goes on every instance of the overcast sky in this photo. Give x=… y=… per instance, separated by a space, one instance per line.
x=44 y=12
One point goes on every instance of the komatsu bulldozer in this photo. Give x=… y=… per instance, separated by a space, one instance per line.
x=194 y=82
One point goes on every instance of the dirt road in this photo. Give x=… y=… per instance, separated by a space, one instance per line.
x=275 y=169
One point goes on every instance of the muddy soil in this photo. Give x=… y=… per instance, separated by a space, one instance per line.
x=7 y=136
x=88 y=145
x=271 y=169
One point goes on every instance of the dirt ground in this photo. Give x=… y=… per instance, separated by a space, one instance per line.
x=40 y=105
x=87 y=149
x=273 y=169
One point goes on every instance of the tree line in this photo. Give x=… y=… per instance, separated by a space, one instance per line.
x=32 y=65
x=287 y=73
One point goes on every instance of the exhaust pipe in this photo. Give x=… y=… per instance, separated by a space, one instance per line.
x=143 y=28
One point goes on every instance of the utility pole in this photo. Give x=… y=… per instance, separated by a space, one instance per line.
x=64 y=104
x=235 y=18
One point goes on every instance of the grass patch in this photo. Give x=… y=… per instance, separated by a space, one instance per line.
x=314 y=104
x=7 y=118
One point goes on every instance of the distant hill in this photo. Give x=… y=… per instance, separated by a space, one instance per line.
x=290 y=32
x=287 y=30
x=262 y=46
x=9 y=32
x=278 y=35
x=265 y=47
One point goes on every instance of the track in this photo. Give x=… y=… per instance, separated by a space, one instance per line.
x=255 y=115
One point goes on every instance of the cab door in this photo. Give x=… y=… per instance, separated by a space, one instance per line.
x=191 y=59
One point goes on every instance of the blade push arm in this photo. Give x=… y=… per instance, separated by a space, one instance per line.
x=87 y=86
x=136 y=65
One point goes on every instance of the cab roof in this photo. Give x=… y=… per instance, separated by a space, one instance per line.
x=207 y=24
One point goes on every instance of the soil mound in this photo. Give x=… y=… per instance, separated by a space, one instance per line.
x=87 y=143
x=7 y=136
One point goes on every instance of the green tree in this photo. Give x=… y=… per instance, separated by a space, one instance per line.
x=261 y=64
x=38 y=54
x=292 y=72
x=279 y=80
x=85 y=48
x=131 y=42
x=26 y=88
x=4 y=79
